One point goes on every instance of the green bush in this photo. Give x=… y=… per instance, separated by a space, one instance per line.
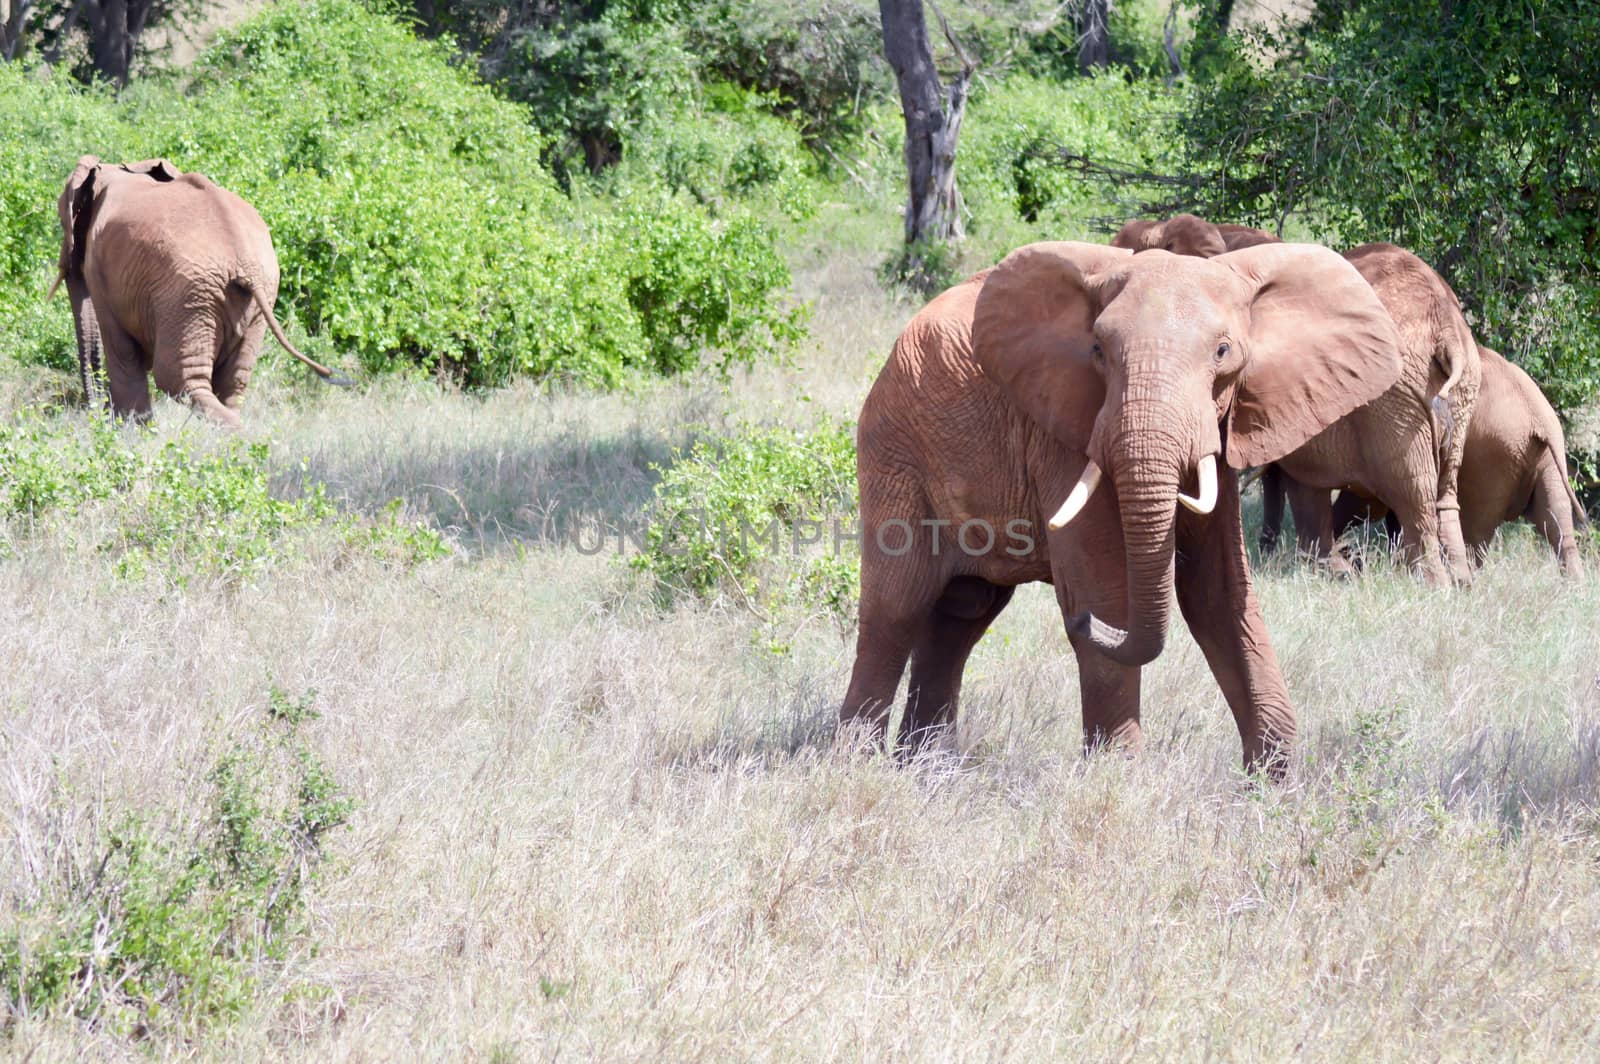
x=818 y=60
x=182 y=510
x=1464 y=132
x=591 y=84
x=759 y=516
x=45 y=124
x=1009 y=166
x=414 y=222
x=733 y=151
x=170 y=919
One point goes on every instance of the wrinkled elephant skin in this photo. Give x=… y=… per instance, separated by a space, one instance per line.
x=1076 y=416
x=1403 y=448
x=168 y=275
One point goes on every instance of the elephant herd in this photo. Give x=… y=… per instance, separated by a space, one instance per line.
x=1118 y=389
x=1077 y=415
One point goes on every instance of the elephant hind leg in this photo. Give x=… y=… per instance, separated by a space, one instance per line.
x=957 y=621
x=127 y=370
x=1551 y=513
x=184 y=364
x=235 y=364
x=1454 y=541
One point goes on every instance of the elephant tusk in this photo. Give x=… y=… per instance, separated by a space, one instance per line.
x=1206 y=501
x=1087 y=482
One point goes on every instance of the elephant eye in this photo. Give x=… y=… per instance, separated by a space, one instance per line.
x=1097 y=354
x=1222 y=351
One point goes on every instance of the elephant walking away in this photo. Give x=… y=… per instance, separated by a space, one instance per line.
x=168 y=275
x=1514 y=466
x=1117 y=393
x=1405 y=447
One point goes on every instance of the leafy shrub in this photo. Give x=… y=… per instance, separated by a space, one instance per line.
x=171 y=919
x=1009 y=165
x=818 y=60
x=181 y=510
x=591 y=84
x=732 y=151
x=759 y=516
x=43 y=123
x=1464 y=132
x=1136 y=33
x=414 y=222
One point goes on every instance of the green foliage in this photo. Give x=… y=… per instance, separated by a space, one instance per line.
x=592 y=83
x=926 y=267
x=1136 y=31
x=818 y=60
x=1009 y=166
x=44 y=125
x=81 y=35
x=414 y=222
x=734 y=151
x=1465 y=132
x=183 y=509
x=760 y=516
x=172 y=919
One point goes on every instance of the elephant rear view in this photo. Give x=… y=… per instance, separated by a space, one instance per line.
x=171 y=275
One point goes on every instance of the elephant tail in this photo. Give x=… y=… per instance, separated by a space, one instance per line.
x=277 y=331
x=1444 y=418
x=1580 y=516
x=1454 y=360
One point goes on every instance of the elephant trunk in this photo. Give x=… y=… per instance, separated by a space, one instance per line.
x=1146 y=468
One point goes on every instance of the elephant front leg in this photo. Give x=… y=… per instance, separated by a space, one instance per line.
x=1219 y=604
x=1110 y=698
x=87 y=327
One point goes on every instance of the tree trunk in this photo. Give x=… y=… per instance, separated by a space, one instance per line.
x=114 y=30
x=11 y=28
x=1094 y=36
x=933 y=121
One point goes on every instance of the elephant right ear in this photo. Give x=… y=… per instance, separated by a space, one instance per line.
x=1033 y=333
x=73 y=206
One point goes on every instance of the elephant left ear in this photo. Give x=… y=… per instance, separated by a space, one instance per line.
x=73 y=207
x=159 y=169
x=1319 y=345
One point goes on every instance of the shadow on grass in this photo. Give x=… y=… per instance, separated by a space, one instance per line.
x=572 y=488
x=756 y=736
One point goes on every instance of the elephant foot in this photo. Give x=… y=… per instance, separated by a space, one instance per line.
x=1340 y=566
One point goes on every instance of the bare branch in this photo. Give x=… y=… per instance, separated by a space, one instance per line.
x=967 y=63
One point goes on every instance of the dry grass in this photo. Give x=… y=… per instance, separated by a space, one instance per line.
x=589 y=829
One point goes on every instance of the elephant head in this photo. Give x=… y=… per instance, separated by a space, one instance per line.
x=1187 y=234
x=75 y=206
x=1154 y=366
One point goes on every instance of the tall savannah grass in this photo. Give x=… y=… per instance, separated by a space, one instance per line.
x=580 y=824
